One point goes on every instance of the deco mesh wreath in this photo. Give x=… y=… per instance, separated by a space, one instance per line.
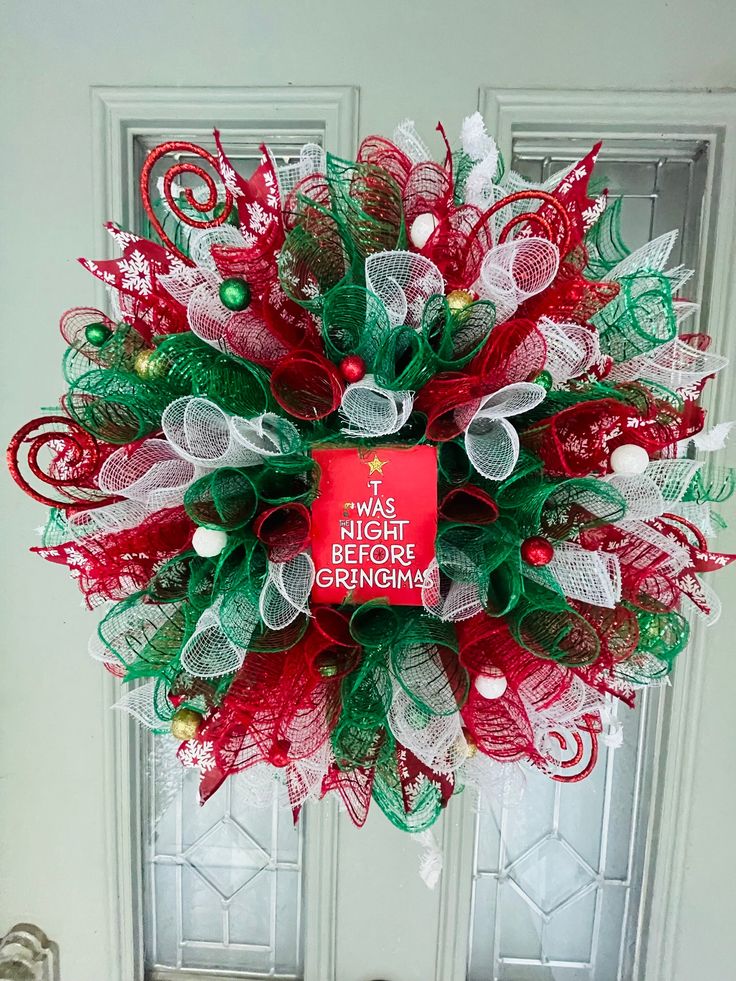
x=383 y=469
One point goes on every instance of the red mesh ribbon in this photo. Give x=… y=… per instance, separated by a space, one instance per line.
x=412 y=776
x=514 y=352
x=276 y=711
x=111 y=567
x=570 y=221
x=307 y=385
x=468 y=504
x=257 y=201
x=574 y=442
x=284 y=530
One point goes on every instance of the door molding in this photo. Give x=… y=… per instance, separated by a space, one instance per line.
x=123 y=120
x=659 y=116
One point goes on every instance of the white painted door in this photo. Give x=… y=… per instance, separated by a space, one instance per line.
x=72 y=860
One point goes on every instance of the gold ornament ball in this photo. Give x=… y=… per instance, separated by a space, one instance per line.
x=148 y=366
x=471 y=749
x=459 y=299
x=185 y=724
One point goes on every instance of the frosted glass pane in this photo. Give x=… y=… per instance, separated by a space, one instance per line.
x=557 y=885
x=222 y=881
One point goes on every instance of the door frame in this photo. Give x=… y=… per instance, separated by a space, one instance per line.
x=647 y=115
x=121 y=118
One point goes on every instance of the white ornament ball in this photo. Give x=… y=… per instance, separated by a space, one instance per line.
x=491 y=685
x=208 y=542
x=629 y=459
x=421 y=229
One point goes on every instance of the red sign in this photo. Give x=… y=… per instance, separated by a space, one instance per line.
x=374 y=524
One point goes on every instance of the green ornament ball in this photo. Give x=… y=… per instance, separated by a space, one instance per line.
x=544 y=379
x=97 y=334
x=234 y=293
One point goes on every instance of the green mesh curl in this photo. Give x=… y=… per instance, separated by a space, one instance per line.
x=603 y=243
x=453 y=338
x=195 y=368
x=711 y=485
x=354 y=321
x=388 y=794
x=367 y=202
x=115 y=406
x=640 y=318
x=224 y=499
x=374 y=624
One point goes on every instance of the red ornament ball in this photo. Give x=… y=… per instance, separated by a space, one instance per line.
x=537 y=551
x=352 y=368
x=279 y=752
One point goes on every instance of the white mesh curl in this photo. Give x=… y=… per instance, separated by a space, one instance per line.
x=407 y=139
x=312 y=160
x=181 y=281
x=571 y=349
x=435 y=740
x=153 y=474
x=592 y=577
x=200 y=432
x=492 y=443
x=285 y=593
x=140 y=703
x=674 y=363
x=370 y=411
x=209 y=652
x=202 y=240
x=652 y=256
x=267 y=435
x=403 y=281
x=207 y=316
x=515 y=271
x=642 y=496
x=452 y=601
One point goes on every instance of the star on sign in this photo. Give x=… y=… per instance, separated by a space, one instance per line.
x=376 y=465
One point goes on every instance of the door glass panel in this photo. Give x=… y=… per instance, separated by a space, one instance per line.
x=558 y=877
x=222 y=883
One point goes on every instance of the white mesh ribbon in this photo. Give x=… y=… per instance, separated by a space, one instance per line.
x=436 y=740
x=154 y=474
x=571 y=349
x=285 y=593
x=652 y=256
x=304 y=778
x=214 y=323
x=491 y=442
x=675 y=364
x=141 y=702
x=369 y=410
x=403 y=281
x=209 y=652
x=592 y=577
x=450 y=600
x=201 y=432
x=407 y=139
x=513 y=272
x=662 y=485
x=267 y=435
x=127 y=630
x=112 y=517
x=311 y=160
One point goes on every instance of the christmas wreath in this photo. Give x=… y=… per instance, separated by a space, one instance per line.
x=383 y=469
